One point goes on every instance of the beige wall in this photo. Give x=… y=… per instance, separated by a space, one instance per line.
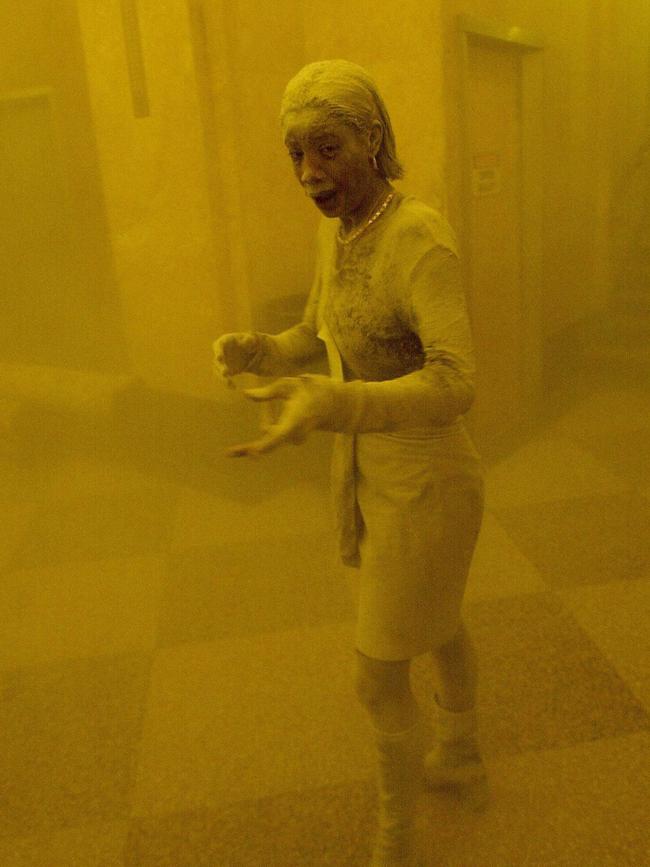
x=57 y=288
x=630 y=223
x=154 y=179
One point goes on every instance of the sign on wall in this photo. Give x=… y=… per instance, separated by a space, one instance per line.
x=486 y=174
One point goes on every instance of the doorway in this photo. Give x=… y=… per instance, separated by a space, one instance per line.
x=503 y=195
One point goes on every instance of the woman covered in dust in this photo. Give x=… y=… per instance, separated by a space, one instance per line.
x=387 y=306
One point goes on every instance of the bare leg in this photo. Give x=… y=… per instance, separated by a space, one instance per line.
x=456 y=760
x=384 y=689
x=456 y=670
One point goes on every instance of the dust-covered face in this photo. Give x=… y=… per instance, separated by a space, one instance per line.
x=332 y=163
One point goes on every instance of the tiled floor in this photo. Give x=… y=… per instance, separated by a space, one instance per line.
x=176 y=652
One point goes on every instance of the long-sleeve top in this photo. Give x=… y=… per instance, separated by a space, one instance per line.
x=393 y=301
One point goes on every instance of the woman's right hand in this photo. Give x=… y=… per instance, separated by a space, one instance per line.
x=233 y=354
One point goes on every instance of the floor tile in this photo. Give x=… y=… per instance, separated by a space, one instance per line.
x=265 y=585
x=583 y=541
x=591 y=795
x=248 y=718
x=330 y=826
x=70 y=734
x=16 y=520
x=543 y=682
x=95 y=528
x=616 y=617
x=184 y=439
x=23 y=482
x=55 y=614
x=584 y=805
x=238 y=741
x=547 y=469
x=294 y=512
x=98 y=845
x=627 y=453
x=81 y=476
x=498 y=567
x=607 y=411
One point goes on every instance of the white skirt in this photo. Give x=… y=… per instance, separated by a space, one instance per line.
x=408 y=511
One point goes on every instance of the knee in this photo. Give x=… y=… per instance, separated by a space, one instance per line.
x=456 y=661
x=379 y=683
x=369 y=690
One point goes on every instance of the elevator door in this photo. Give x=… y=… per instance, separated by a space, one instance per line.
x=494 y=132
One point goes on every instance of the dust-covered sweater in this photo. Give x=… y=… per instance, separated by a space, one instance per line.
x=393 y=302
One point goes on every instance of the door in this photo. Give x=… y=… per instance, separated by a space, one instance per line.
x=503 y=235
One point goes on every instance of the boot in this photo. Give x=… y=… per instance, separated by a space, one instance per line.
x=399 y=782
x=455 y=763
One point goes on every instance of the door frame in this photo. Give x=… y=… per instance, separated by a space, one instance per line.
x=529 y=46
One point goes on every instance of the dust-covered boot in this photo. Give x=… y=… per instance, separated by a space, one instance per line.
x=455 y=762
x=399 y=778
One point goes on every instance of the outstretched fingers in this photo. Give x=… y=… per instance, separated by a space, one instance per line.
x=282 y=388
x=275 y=435
x=297 y=417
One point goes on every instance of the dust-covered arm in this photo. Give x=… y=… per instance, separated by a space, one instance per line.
x=287 y=352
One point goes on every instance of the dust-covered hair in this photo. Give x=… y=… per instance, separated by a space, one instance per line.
x=347 y=93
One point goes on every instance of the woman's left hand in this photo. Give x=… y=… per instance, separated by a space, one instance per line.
x=308 y=404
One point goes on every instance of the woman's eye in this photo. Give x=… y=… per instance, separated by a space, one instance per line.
x=295 y=156
x=328 y=150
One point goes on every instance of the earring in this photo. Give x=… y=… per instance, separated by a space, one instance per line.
x=374 y=164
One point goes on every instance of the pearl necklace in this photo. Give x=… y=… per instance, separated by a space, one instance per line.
x=350 y=238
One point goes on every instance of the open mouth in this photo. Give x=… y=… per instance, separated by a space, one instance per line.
x=325 y=198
